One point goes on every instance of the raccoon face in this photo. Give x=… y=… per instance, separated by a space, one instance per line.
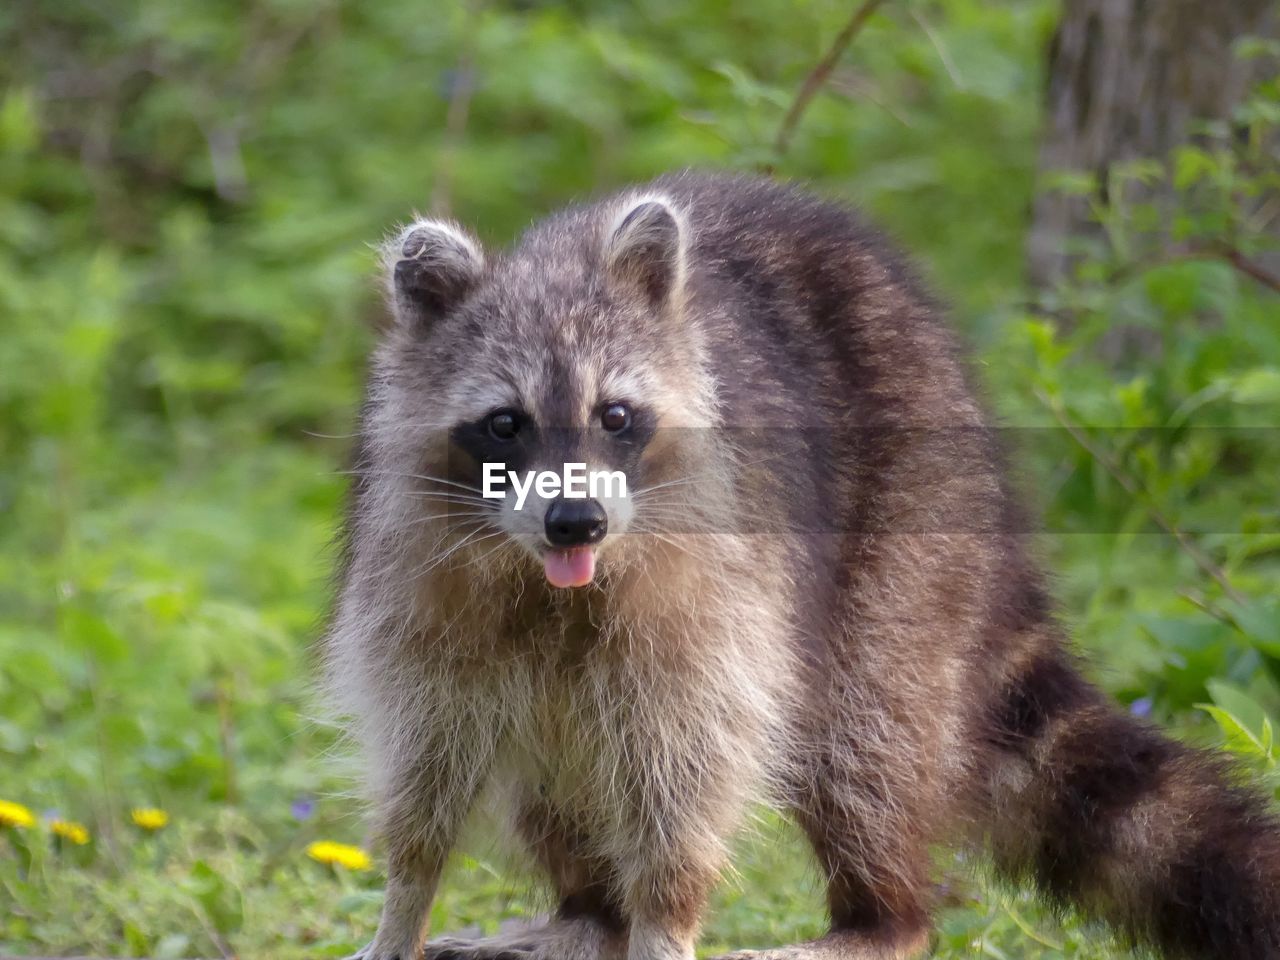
x=539 y=383
x=561 y=487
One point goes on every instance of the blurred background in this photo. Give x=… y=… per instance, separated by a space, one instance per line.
x=188 y=194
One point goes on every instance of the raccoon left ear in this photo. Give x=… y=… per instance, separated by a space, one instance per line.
x=431 y=266
x=646 y=248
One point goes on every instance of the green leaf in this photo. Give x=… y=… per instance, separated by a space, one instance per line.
x=93 y=634
x=1258 y=386
x=1259 y=621
x=1239 y=738
x=1244 y=723
x=1243 y=707
x=1191 y=164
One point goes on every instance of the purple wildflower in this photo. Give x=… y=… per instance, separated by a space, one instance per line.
x=303 y=808
x=1142 y=707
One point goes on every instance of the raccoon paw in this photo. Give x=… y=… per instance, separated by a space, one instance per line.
x=366 y=953
x=478 y=950
x=490 y=948
x=542 y=939
x=842 y=946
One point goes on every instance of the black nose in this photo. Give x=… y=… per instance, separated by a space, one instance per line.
x=576 y=523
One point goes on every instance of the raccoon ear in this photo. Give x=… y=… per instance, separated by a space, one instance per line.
x=646 y=248
x=431 y=266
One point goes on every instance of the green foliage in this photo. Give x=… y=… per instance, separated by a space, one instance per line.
x=187 y=192
x=1170 y=349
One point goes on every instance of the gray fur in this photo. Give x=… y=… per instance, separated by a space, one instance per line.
x=818 y=596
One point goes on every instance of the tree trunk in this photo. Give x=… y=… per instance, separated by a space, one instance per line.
x=1128 y=79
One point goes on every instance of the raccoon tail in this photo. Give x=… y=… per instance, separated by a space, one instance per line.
x=1105 y=814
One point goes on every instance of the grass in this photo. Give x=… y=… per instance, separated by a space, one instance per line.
x=222 y=884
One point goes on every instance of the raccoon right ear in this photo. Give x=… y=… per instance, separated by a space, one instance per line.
x=431 y=266
x=646 y=248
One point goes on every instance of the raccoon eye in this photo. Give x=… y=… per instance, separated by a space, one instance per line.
x=616 y=417
x=504 y=425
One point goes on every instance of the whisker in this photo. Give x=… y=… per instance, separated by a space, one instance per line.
x=680 y=481
x=673 y=529
x=684 y=548
x=668 y=537
x=693 y=477
x=487 y=554
x=449 y=516
x=449 y=495
x=448 y=483
x=410 y=476
x=471 y=539
x=680 y=513
x=444 y=547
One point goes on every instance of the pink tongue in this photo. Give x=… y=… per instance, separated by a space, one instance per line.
x=570 y=568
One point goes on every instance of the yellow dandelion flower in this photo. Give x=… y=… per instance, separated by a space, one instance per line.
x=15 y=815
x=77 y=833
x=326 y=851
x=149 y=818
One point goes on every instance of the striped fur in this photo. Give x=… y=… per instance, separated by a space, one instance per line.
x=1103 y=812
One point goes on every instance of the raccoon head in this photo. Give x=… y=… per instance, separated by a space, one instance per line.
x=537 y=394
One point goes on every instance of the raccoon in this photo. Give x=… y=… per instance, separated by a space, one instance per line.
x=816 y=594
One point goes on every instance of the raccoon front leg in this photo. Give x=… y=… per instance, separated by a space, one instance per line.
x=863 y=818
x=667 y=906
x=583 y=881
x=421 y=815
x=676 y=849
x=869 y=817
x=875 y=868
x=863 y=925
x=588 y=925
x=413 y=874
